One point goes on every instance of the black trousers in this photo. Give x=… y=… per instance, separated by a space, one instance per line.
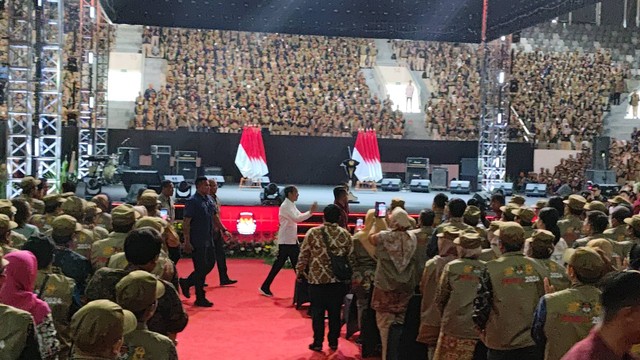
x=326 y=298
x=204 y=259
x=221 y=258
x=285 y=252
x=174 y=254
x=528 y=353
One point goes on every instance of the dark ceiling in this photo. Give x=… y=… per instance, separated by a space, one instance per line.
x=436 y=20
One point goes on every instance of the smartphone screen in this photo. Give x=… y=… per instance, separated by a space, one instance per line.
x=164 y=213
x=381 y=209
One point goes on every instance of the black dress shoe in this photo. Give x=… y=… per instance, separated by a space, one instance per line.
x=265 y=292
x=228 y=282
x=333 y=347
x=184 y=287
x=315 y=347
x=203 y=302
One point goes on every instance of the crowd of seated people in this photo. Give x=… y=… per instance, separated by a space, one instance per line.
x=453 y=111
x=563 y=95
x=220 y=81
x=624 y=158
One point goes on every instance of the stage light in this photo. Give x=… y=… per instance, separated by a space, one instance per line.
x=503 y=38
x=183 y=191
x=501 y=77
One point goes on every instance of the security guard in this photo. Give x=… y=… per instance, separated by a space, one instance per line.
x=97 y=330
x=456 y=291
x=165 y=268
x=7 y=208
x=67 y=261
x=52 y=208
x=123 y=218
x=571 y=224
x=565 y=317
x=618 y=230
x=6 y=225
x=29 y=186
x=74 y=206
x=540 y=247
x=139 y=292
x=524 y=216
x=509 y=291
x=55 y=289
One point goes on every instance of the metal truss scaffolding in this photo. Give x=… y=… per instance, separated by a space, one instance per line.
x=48 y=89
x=19 y=93
x=94 y=69
x=86 y=122
x=34 y=101
x=492 y=145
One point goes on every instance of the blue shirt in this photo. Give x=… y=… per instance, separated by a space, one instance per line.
x=201 y=210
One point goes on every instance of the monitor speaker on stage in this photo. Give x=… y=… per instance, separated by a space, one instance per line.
x=219 y=179
x=506 y=188
x=150 y=178
x=388 y=184
x=473 y=181
x=129 y=157
x=460 y=187
x=420 y=185
x=213 y=170
x=536 y=190
x=439 y=178
x=417 y=168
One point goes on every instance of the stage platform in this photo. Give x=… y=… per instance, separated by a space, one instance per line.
x=231 y=194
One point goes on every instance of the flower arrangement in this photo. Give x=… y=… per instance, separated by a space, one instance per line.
x=248 y=249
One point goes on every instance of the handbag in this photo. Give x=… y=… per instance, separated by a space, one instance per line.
x=339 y=264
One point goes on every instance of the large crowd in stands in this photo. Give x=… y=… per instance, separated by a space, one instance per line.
x=220 y=81
x=563 y=96
x=560 y=97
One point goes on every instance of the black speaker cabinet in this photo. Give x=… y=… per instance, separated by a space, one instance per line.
x=600 y=153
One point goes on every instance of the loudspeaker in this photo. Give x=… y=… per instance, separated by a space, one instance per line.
x=473 y=181
x=506 y=188
x=419 y=185
x=132 y=193
x=460 y=187
x=515 y=37
x=129 y=157
x=536 y=190
x=417 y=168
x=187 y=169
x=149 y=177
x=601 y=176
x=439 y=178
x=600 y=153
x=162 y=163
x=219 y=179
x=391 y=184
x=213 y=170
x=469 y=167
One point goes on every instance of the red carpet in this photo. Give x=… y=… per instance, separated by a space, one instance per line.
x=245 y=325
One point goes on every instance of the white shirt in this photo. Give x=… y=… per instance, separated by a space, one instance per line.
x=290 y=216
x=409 y=91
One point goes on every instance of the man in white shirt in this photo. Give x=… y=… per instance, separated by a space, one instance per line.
x=288 y=247
x=408 y=91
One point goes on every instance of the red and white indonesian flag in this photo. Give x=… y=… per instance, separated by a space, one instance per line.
x=366 y=152
x=251 y=159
